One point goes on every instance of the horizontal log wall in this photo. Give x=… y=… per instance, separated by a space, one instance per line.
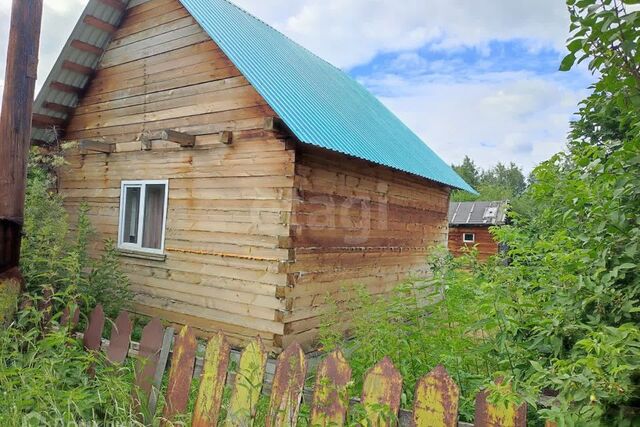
x=229 y=205
x=356 y=223
x=484 y=242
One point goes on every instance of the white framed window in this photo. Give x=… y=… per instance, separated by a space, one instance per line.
x=143 y=215
x=468 y=237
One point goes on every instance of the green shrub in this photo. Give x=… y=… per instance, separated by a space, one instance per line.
x=44 y=379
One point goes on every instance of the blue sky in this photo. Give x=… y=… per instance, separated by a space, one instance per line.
x=471 y=77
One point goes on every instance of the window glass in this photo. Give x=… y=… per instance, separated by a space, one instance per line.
x=469 y=237
x=131 y=215
x=153 y=216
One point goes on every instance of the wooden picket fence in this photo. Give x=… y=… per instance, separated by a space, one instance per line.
x=436 y=394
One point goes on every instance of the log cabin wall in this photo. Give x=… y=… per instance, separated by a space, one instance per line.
x=355 y=223
x=484 y=242
x=228 y=207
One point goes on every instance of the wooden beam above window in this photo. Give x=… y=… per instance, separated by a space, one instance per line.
x=86 y=47
x=184 y=139
x=99 y=24
x=42 y=121
x=275 y=124
x=99 y=146
x=77 y=68
x=62 y=87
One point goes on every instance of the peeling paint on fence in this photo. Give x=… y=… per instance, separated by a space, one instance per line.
x=331 y=395
x=436 y=400
x=490 y=415
x=288 y=385
x=120 y=338
x=93 y=334
x=180 y=374
x=248 y=384
x=381 y=392
x=214 y=374
x=148 y=356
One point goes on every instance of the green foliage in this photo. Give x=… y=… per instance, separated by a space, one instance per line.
x=56 y=256
x=44 y=379
x=422 y=324
x=501 y=182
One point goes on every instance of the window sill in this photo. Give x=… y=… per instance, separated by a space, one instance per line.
x=142 y=255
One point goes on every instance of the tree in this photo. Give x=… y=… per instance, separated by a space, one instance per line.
x=468 y=171
x=501 y=182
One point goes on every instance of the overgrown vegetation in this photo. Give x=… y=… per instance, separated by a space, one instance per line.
x=559 y=315
x=502 y=182
x=57 y=256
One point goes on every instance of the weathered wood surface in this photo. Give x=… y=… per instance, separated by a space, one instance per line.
x=436 y=400
x=484 y=242
x=93 y=334
x=182 y=363
x=148 y=356
x=287 y=388
x=120 y=338
x=330 y=396
x=381 y=393
x=214 y=375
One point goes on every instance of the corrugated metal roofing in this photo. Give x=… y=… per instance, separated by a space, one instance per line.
x=321 y=104
x=84 y=33
x=478 y=213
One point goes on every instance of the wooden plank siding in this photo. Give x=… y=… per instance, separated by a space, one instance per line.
x=258 y=232
x=229 y=205
x=355 y=223
x=484 y=242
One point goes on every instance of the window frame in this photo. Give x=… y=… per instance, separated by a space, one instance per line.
x=142 y=184
x=464 y=238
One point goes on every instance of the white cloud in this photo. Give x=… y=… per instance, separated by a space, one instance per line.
x=493 y=117
x=352 y=32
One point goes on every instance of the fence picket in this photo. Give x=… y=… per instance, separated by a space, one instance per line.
x=69 y=320
x=288 y=384
x=489 y=415
x=148 y=356
x=436 y=400
x=330 y=396
x=214 y=374
x=46 y=307
x=381 y=392
x=247 y=386
x=93 y=334
x=120 y=338
x=182 y=364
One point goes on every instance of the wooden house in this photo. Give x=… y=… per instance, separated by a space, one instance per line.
x=469 y=224
x=243 y=178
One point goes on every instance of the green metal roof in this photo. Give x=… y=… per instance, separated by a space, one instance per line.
x=321 y=104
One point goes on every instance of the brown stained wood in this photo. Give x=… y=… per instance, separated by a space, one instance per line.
x=99 y=24
x=92 y=338
x=77 y=68
x=86 y=47
x=182 y=364
x=58 y=107
x=15 y=132
x=330 y=396
x=116 y=4
x=98 y=146
x=70 y=317
x=212 y=382
x=436 y=400
x=381 y=391
x=226 y=137
x=181 y=138
x=120 y=338
x=42 y=121
x=63 y=87
x=148 y=356
x=288 y=384
x=489 y=415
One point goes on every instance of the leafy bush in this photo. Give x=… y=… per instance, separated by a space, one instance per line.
x=44 y=379
x=56 y=256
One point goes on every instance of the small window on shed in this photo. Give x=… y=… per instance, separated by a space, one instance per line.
x=468 y=237
x=143 y=212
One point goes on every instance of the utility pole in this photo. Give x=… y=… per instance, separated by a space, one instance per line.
x=15 y=136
